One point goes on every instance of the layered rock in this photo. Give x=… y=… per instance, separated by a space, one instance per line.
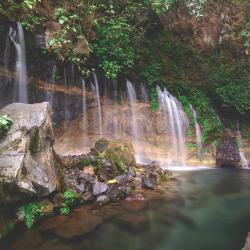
x=28 y=163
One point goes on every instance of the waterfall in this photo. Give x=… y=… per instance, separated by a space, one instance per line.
x=144 y=93
x=135 y=132
x=84 y=113
x=243 y=159
x=175 y=117
x=95 y=88
x=197 y=131
x=17 y=37
x=50 y=92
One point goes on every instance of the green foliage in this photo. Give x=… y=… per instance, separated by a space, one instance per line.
x=196 y=7
x=229 y=84
x=114 y=46
x=6 y=229
x=5 y=124
x=160 y=6
x=30 y=213
x=207 y=118
x=69 y=199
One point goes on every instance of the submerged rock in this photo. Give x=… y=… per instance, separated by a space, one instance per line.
x=28 y=163
x=78 y=224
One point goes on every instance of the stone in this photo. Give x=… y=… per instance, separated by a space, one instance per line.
x=78 y=224
x=134 y=202
x=87 y=196
x=53 y=245
x=247 y=244
x=47 y=206
x=28 y=164
x=52 y=222
x=102 y=199
x=28 y=241
x=115 y=193
x=101 y=145
x=99 y=188
x=89 y=170
x=133 y=221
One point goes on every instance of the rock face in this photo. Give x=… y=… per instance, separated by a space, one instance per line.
x=227 y=152
x=220 y=24
x=28 y=164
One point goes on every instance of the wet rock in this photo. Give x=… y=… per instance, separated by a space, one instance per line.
x=52 y=222
x=78 y=224
x=99 y=188
x=28 y=163
x=102 y=199
x=101 y=145
x=133 y=221
x=29 y=241
x=134 y=202
x=81 y=187
x=47 y=206
x=53 y=245
x=57 y=200
x=88 y=196
x=148 y=182
x=115 y=193
x=89 y=170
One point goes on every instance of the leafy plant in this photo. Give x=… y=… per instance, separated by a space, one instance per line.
x=69 y=198
x=30 y=213
x=5 y=124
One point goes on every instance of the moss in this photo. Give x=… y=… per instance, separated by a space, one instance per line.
x=34 y=141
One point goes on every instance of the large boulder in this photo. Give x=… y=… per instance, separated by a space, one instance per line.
x=28 y=163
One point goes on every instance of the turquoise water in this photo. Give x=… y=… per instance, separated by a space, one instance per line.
x=201 y=210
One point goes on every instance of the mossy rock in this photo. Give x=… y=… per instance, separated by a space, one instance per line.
x=115 y=159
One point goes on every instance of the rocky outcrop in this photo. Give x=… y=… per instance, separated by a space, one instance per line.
x=28 y=164
x=227 y=152
x=109 y=172
x=220 y=23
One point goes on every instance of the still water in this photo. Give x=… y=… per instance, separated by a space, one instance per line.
x=198 y=210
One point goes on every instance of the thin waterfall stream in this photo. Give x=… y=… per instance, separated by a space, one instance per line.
x=197 y=131
x=17 y=37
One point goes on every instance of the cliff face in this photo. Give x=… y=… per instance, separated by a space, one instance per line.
x=220 y=24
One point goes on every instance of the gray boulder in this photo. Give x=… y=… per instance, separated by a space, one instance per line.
x=28 y=163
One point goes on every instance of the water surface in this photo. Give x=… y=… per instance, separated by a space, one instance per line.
x=201 y=210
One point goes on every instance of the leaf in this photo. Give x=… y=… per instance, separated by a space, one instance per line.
x=113 y=181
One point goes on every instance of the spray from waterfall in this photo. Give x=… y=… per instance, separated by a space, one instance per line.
x=175 y=117
x=17 y=37
x=197 y=131
x=95 y=88
x=243 y=159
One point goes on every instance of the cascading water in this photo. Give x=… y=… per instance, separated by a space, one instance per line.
x=135 y=131
x=17 y=37
x=175 y=116
x=197 y=131
x=243 y=159
x=84 y=113
x=50 y=93
x=95 y=88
